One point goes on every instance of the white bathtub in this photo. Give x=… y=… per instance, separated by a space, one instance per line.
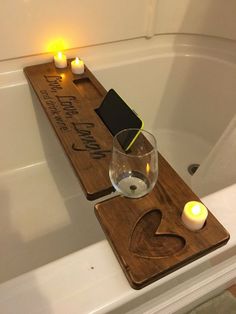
x=186 y=97
x=179 y=86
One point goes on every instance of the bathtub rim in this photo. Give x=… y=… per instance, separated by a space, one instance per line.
x=59 y=286
x=113 y=54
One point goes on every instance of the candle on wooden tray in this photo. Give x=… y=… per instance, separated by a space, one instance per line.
x=60 y=60
x=77 y=66
x=194 y=215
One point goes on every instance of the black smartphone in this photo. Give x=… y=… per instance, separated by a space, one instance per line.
x=117 y=116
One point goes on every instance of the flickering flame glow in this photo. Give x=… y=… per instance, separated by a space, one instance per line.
x=196 y=209
x=59 y=54
x=55 y=45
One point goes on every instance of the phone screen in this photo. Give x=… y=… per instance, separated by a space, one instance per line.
x=117 y=116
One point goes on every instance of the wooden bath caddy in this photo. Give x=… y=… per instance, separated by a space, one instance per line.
x=147 y=234
x=70 y=101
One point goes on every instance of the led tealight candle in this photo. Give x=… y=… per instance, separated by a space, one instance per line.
x=194 y=215
x=77 y=66
x=60 y=60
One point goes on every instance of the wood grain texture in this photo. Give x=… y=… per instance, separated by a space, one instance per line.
x=232 y=290
x=69 y=102
x=147 y=234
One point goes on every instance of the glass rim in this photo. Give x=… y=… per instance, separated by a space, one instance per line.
x=123 y=152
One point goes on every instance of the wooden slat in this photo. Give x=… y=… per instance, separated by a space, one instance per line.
x=69 y=101
x=232 y=290
x=147 y=234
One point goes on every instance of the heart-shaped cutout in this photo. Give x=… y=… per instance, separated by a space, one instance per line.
x=147 y=242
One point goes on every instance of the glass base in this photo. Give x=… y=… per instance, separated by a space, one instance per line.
x=132 y=184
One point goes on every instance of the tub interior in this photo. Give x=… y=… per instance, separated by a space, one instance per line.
x=186 y=101
x=44 y=214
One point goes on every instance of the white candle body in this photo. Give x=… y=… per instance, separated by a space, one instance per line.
x=60 y=60
x=194 y=215
x=77 y=66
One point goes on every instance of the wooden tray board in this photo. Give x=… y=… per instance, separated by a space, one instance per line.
x=69 y=102
x=147 y=234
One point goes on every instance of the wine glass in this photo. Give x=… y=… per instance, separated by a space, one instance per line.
x=134 y=164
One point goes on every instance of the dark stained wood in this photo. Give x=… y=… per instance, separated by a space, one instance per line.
x=147 y=234
x=232 y=290
x=147 y=241
x=69 y=102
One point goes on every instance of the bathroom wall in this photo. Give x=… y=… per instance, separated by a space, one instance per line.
x=30 y=27
x=35 y=26
x=209 y=17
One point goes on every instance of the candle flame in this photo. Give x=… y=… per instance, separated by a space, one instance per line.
x=59 y=54
x=77 y=60
x=196 y=209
